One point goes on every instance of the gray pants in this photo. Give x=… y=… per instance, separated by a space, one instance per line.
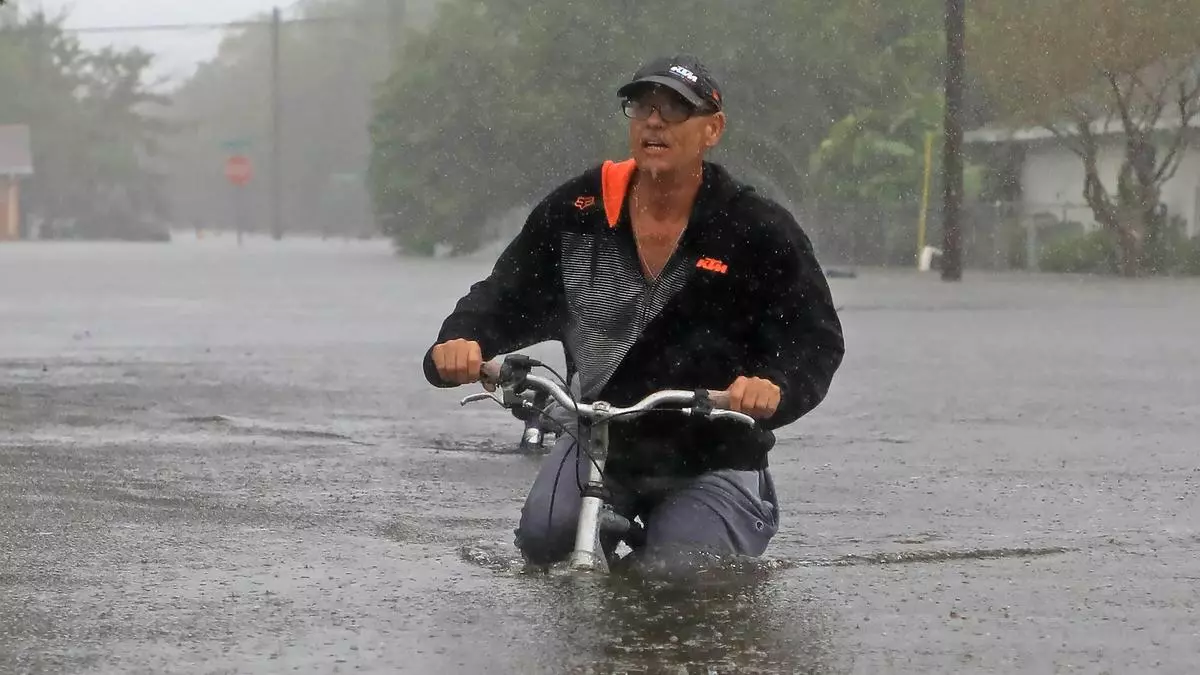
x=720 y=513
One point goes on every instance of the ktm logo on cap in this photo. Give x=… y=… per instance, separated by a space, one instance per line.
x=712 y=265
x=685 y=74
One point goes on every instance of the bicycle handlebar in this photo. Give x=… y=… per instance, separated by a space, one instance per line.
x=714 y=404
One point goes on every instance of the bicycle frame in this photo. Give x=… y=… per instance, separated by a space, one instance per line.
x=513 y=379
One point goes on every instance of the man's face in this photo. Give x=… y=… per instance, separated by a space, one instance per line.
x=666 y=133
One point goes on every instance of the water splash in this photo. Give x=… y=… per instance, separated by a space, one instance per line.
x=266 y=428
x=501 y=559
x=929 y=556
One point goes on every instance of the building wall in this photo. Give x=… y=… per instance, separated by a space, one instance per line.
x=1052 y=183
x=1184 y=197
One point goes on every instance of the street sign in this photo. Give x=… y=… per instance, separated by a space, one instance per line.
x=236 y=144
x=238 y=170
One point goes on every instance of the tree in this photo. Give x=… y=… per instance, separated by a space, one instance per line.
x=333 y=53
x=93 y=132
x=1083 y=68
x=874 y=151
x=493 y=104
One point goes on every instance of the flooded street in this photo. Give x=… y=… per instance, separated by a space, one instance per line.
x=218 y=460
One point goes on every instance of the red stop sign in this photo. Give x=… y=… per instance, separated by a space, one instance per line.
x=238 y=170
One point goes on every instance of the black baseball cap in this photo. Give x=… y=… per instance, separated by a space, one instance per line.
x=683 y=74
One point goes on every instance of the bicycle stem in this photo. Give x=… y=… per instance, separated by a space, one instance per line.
x=584 y=557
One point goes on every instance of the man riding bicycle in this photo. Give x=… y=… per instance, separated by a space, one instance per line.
x=660 y=272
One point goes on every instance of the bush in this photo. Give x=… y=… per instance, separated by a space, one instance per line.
x=1049 y=232
x=1097 y=253
x=1086 y=253
x=1016 y=246
x=1168 y=250
x=1188 y=263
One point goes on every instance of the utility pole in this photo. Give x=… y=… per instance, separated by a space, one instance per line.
x=952 y=163
x=397 y=13
x=393 y=21
x=276 y=114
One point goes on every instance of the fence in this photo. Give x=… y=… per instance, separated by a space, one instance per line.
x=872 y=235
x=995 y=236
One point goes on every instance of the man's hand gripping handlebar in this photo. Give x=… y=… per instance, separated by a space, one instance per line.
x=512 y=378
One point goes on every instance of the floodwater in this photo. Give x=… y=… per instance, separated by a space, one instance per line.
x=218 y=460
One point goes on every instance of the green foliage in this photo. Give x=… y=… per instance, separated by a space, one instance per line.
x=1068 y=248
x=330 y=62
x=876 y=152
x=1069 y=65
x=93 y=138
x=494 y=104
x=1189 y=258
x=1092 y=252
x=1043 y=60
x=1168 y=251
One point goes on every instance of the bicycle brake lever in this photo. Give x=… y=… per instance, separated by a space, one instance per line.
x=482 y=396
x=513 y=399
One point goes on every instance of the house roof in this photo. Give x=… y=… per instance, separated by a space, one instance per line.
x=1000 y=134
x=16 y=156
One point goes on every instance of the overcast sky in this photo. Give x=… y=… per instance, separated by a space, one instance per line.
x=179 y=50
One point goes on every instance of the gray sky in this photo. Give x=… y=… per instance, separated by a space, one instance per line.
x=179 y=50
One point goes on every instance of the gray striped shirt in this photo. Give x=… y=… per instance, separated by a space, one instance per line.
x=610 y=302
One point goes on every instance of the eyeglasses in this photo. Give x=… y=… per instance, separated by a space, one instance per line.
x=671 y=110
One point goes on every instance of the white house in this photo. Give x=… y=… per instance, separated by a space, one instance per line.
x=1051 y=174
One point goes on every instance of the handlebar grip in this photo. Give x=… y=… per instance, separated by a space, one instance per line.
x=719 y=399
x=490 y=372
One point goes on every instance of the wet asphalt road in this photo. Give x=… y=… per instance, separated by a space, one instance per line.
x=216 y=460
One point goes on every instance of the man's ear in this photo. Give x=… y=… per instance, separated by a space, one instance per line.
x=714 y=129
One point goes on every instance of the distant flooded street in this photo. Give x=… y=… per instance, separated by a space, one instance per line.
x=218 y=459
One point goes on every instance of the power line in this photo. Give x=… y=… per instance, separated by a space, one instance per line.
x=150 y=28
x=164 y=27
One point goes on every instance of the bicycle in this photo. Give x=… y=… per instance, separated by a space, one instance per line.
x=518 y=389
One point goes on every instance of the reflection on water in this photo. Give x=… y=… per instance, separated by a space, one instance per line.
x=736 y=619
x=748 y=616
x=716 y=629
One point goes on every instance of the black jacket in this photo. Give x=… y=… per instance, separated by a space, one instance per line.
x=749 y=298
